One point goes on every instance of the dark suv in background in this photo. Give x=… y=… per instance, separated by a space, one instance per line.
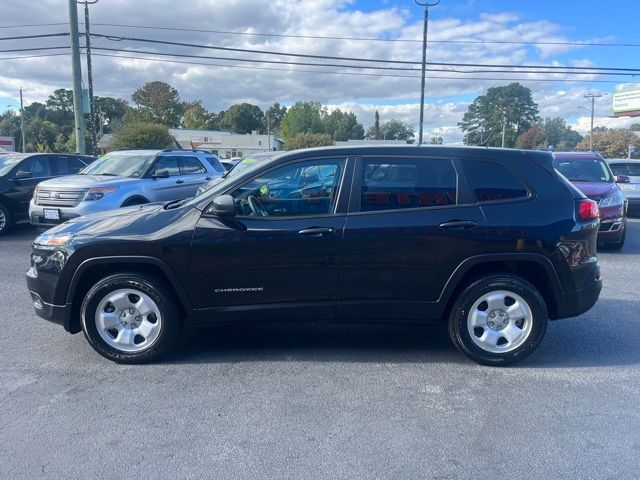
x=492 y=242
x=21 y=172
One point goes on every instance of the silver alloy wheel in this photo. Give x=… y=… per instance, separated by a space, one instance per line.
x=3 y=220
x=128 y=320
x=500 y=321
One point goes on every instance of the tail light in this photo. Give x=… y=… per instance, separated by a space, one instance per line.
x=588 y=210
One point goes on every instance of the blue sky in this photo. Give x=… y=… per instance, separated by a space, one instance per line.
x=447 y=98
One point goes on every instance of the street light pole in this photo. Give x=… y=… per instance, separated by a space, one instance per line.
x=424 y=62
x=24 y=147
x=76 y=73
x=92 y=111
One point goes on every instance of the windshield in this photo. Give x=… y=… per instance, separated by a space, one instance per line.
x=629 y=169
x=7 y=162
x=120 y=164
x=583 y=169
x=246 y=163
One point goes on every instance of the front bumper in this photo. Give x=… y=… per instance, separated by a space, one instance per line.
x=36 y=212
x=59 y=314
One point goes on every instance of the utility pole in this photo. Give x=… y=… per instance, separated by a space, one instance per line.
x=424 y=62
x=92 y=111
x=504 y=125
x=592 y=97
x=269 y=132
x=24 y=147
x=76 y=73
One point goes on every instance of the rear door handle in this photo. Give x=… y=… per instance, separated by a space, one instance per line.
x=316 y=232
x=179 y=181
x=458 y=224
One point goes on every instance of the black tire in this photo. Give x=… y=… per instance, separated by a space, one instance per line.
x=459 y=332
x=8 y=220
x=164 y=298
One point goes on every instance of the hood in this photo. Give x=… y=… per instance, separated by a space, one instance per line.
x=596 y=190
x=86 y=181
x=109 y=221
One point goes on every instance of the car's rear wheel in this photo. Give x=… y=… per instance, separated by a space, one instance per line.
x=5 y=219
x=498 y=320
x=131 y=318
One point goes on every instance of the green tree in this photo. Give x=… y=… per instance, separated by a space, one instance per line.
x=195 y=116
x=274 y=113
x=308 y=140
x=635 y=127
x=160 y=101
x=341 y=125
x=374 y=131
x=243 y=118
x=303 y=117
x=396 y=130
x=510 y=105
x=41 y=136
x=532 y=139
x=111 y=112
x=143 y=135
x=10 y=127
x=612 y=143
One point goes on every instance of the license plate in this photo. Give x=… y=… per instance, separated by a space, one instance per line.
x=51 y=214
x=626 y=187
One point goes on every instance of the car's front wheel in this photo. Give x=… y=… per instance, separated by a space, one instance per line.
x=498 y=320
x=5 y=219
x=131 y=318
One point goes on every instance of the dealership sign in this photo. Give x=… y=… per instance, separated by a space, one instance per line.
x=6 y=143
x=626 y=102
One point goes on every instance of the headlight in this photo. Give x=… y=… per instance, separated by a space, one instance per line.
x=614 y=200
x=97 y=193
x=52 y=239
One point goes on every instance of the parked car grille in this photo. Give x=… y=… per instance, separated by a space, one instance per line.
x=60 y=197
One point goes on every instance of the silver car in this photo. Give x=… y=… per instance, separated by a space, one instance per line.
x=627 y=174
x=122 y=179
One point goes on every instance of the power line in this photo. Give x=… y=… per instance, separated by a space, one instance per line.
x=34 y=56
x=32 y=49
x=354 y=73
x=117 y=38
x=364 y=67
x=33 y=25
x=42 y=35
x=370 y=39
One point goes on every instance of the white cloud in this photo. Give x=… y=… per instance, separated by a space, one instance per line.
x=220 y=86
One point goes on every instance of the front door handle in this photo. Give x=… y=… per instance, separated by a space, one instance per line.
x=179 y=181
x=458 y=224
x=316 y=232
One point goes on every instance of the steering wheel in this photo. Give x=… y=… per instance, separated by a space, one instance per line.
x=256 y=207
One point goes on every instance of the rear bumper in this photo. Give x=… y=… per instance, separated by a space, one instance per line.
x=572 y=304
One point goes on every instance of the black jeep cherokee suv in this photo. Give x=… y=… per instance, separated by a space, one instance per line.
x=494 y=242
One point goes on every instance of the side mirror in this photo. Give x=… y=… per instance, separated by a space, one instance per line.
x=22 y=174
x=622 y=179
x=161 y=174
x=223 y=207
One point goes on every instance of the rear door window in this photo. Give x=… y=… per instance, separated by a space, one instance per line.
x=215 y=163
x=400 y=183
x=190 y=165
x=491 y=181
x=167 y=163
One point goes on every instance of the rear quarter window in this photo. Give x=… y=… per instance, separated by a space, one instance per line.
x=491 y=181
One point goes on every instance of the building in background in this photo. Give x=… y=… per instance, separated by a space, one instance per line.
x=373 y=142
x=226 y=144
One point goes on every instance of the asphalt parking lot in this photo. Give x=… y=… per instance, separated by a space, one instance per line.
x=323 y=402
